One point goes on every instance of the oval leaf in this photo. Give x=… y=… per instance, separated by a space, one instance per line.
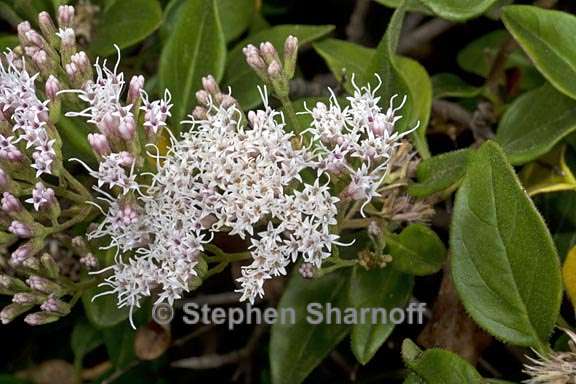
x=296 y=349
x=548 y=38
x=458 y=10
x=437 y=366
x=534 y=123
x=376 y=288
x=123 y=24
x=440 y=173
x=196 y=48
x=504 y=263
x=417 y=250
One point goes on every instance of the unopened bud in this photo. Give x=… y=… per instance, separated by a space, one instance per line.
x=274 y=70
x=48 y=28
x=4 y=180
x=55 y=306
x=126 y=159
x=290 y=56
x=127 y=128
x=52 y=87
x=44 y=285
x=200 y=113
x=89 y=261
x=33 y=298
x=50 y=265
x=136 y=85
x=35 y=38
x=20 y=229
x=307 y=270
x=65 y=16
x=10 y=204
x=268 y=52
x=203 y=97
x=23 y=28
x=210 y=85
x=12 y=311
x=32 y=264
x=40 y=318
x=21 y=253
x=12 y=284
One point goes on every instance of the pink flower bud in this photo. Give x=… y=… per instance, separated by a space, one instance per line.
x=200 y=113
x=126 y=159
x=136 y=85
x=65 y=16
x=28 y=298
x=274 y=70
x=40 y=318
x=20 y=229
x=4 y=180
x=127 y=128
x=290 y=45
x=23 y=28
x=210 y=85
x=35 y=38
x=52 y=87
x=42 y=284
x=11 y=311
x=10 y=204
x=21 y=253
x=99 y=144
x=203 y=97
x=55 y=305
x=67 y=37
x=47 y=26
x=109 y=124
x=89 y=261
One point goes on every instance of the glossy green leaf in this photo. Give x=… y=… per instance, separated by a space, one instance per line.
x=534 y=123
x=296 y=349
x=559 y=212
x=119 y=341
x=449 y=85
x=438 y=366
x=404 y=77
x=344 y=59
x=420 y=87
x=411 y=5
x=417 y=250
x=8 y=41
x=377 y=288
x=123 y=24
x=235 y=16
x=195 y=49
x=504 y=263
x=242 y=79
x=548 y=38
x=103 y=311
x=478 y=56
x=458 y=10
x=439 y=173
x=85 y=338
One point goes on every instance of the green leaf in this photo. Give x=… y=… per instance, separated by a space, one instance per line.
x=123 y=24
x=411 y=5
x=85 y=338
x=376 y=288
x=504 y=265
x=458 y=10
x=235 y=16
x=8 y=41
x=103 y=311
x=437 y=366
x=195 y=49
x=548 y=38
x=440 y=173
x=420 y=87
x=417 y=250
x=74 y=134
x=404 y=77
x=297 y=348
x=242 y=79
x=29 y=9
x=413 y=378
x=344 y=59
x=478 y=56
x=410 y=351
x=9 y=379
x=449 y=85
x=119 y=342
x=534 y=123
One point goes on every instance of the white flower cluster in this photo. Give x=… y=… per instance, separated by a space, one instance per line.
x=361 y=131
x=29 y=116
x=221 y=176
